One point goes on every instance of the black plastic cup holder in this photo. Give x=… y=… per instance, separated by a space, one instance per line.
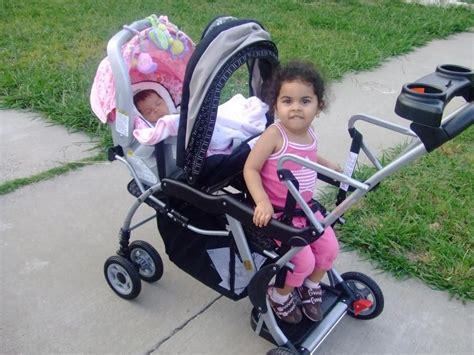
x=422 y=103
x=424 y=90
x=453 y=69
x=424 y=100
x=456 y=71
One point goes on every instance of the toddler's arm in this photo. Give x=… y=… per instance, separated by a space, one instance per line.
x=329 y=164
x=264 y=147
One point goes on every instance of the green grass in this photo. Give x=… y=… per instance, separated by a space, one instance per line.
x=50 y=50
x=12 y=185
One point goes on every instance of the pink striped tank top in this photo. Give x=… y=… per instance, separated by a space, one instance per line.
x=277 y=190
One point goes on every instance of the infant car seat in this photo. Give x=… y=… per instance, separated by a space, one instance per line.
x=149 y=54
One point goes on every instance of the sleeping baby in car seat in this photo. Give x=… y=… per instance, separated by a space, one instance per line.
x=237 y=120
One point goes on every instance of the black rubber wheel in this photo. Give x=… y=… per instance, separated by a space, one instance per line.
x=147 y=260
x=365 y=288
x=122 y=277
x=281 y=351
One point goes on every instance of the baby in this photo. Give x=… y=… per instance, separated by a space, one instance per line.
x=150 y=105
x=238 y=119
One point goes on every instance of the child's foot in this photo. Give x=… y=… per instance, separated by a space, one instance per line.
x=287 y=310
x=311 y=299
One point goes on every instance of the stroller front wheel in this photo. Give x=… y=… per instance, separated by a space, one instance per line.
x=147 y=260
x=122 y=277
x=365 y=289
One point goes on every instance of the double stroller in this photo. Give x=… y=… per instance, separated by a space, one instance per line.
x=200 y=202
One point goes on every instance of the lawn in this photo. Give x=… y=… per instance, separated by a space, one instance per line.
x=50 y=50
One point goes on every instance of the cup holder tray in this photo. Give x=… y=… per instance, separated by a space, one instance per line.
x=424 y=100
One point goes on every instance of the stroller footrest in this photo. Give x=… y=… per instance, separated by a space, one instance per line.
x=308 y=334
x=315 y=338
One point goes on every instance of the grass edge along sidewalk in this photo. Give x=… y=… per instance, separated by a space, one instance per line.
x=12 y=185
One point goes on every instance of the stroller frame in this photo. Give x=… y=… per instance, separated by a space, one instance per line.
x=343 y=294
x=263 y=320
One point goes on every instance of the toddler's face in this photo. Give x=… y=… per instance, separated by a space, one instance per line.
x=153 y=107
x=297 y=105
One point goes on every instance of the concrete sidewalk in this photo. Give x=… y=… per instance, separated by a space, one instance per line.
x=57 y=234
x=31 y=145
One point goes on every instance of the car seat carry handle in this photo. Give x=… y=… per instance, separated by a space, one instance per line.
x=124 y=97
x=225 y=204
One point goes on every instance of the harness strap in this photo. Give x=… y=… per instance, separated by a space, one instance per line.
x=290 y=211
x=298 y=212
x=350 y=164
x=290 y=203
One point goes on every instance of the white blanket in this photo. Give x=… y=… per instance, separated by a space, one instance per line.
x=237 y=119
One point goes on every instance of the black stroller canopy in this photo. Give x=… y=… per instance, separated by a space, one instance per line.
x=227 y=44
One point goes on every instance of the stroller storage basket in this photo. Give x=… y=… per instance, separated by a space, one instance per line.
x=209 y=259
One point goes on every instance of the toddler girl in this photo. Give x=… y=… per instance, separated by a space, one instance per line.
x=297 y=100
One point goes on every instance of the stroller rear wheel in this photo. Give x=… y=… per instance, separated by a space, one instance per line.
x=147 y=259
x=365 y=289
x=122 y=277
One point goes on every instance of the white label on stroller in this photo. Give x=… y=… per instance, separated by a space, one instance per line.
x=220 y=259
x=143 y=172
x=349 y=168
x=121 y=123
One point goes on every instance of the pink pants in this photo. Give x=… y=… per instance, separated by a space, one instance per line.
x=319 y=255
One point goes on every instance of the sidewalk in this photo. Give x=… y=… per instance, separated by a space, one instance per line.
x=31 y=145
x=57 y=234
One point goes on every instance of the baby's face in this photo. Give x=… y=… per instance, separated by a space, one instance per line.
x=153 y=107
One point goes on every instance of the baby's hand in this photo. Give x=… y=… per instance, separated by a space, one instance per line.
x=263 y=213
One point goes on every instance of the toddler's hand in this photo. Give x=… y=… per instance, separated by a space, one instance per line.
x=337 y=167
x=263 y=213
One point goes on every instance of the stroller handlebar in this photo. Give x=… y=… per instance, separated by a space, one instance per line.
x=463 y=120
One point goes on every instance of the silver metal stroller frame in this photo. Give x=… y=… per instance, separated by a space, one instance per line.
x=346 y=294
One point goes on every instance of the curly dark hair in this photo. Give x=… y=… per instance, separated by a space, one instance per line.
x=297 y=70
